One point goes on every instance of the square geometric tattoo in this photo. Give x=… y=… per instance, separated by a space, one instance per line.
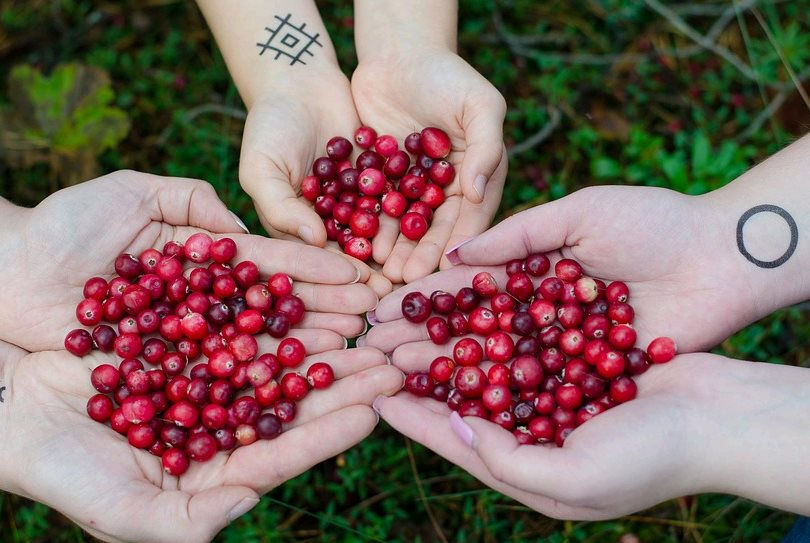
x=293 y=41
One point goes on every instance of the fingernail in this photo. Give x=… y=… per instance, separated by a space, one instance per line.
x=371 y=317
x=239 y=221
x=361 y=341
x=462 y=429
x=452 y=253
x=346 y=343
x=376 y=405
x=388 y=360
x=241 y=508
x=357 y=277
x=305 y=233
x=480 y=185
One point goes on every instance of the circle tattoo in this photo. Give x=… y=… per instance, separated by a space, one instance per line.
x=794 y=235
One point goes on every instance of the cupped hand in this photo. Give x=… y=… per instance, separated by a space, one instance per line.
x=54 y=453
x=700 y=423
x=77 y=233
x=668 y=248
x=436 y=88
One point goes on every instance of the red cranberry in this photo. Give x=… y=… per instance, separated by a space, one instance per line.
x=394 y=204
x=221 y=363
x=433 y=196
x=458 y=324
x=496 y=398
x=483 y=321
x=371 y=182
x=523 y=411
x=96 y=288
x=324 y=168
x=338 y=148
x=175 y=462
x=438 y=330
x=442 y=173
x=280 y=284
x=173 y=363
x=396 y=165
x=137 y=409
x=527 y=373
x=473 y=408
x=499 y=347
x=572 y=342
x=586 y=290
x=617 y=291
x=597 y=307
x=610 y=364
x=620 y=313
x=435 y=142
x=141 y=436
x=661 y=350
x=595 y=326
x=127 y=345
x=622 y=337
x=198 y=247
x=104 y=337
x=285 y=410
x=176 y=388
x=520 y=286
x=268 y=426
x=416 y=307
x=568 y=396
x=292 y=307
x=514 y=266
x=413 y=226
x=623 y=389
x=543 y=313
x=201 y=447
x=504 y=419
x=551 y=289
x=365 y=137
x=324 y=205
x=246 y=274
x=568 y=270
x=291 y=352
x=470 y=381
x=138 y=382
x=359 y=248
x=294 y=387
x=320 y=375
x=441 y=369
x=454 y=399
x=173 y=436
x=277 y=325
x=100 y=407
x=127 y=266
x=562 y=434
x=527 y=345
x=552 y=360
x=183 y=414
x=418 y=384
x=545 y=403
x=468 y=352
x=537 y=265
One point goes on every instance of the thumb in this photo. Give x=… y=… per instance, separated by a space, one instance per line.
x=541 y=229
x=277 y=201
x=483 y=131
x=201 y=516
x=186 y=202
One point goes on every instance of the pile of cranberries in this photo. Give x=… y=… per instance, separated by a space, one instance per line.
x=170 y=310
x=350 y=199
x=561 y=352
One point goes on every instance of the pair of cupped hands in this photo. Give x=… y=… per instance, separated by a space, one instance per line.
x=288 y=125
x=630 y=457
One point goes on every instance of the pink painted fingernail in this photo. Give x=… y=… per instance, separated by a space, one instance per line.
x=452 y=253
x=462 y=429
x=371 y=317
x=360 y=342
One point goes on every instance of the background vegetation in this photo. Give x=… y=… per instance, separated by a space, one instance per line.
x=682 y=95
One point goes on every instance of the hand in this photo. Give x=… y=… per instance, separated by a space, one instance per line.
x=54 y=453
x=77 y=233
x=436 y=88
x=684 y=280
x=701 y=423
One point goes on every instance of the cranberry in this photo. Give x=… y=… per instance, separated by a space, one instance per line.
x=100 y=407
x=543 y=313
x=537 y=265
x=562 y=434
x=520 y=286
x=620 y=313
x=359 y=248
x=586 y=290
x=338 y=148
x=552 y=360
x=435 y=142
x=183 y=414
x=365 y=137
x=113 y=309
x=572 y=342
x=551 y=289
x=324 y=205
x=544 y=403
x=568 y=270
x=137 y=409
x=285 y=410
x=176 y=388
x=568 y=396
x=617 y=291
x=622 y=337
x=291 y=352
x=138 y=382
x=396 y=165
x=443 y=303
x=496 y=398
x=468 y=352
x=610 y=364
x=483 y=321
x=277 y=325
x=198 y=247
x=416 y=307
x=661 y=350
x=542 y=429
x=433 y=196
x=175 y=462
x=570 y=315
x=623 y=389
x=470 y=381
x=522 y=323
x=173 y=363
x=413 y=225
x=394 y=204
x=118 y=422
x=127 y=266
x=441 y=369
x=104 y=337
x=526 y=372
x=637 y=361
x=320 y=375
x=201 y=447
x=523 y=411
x=438 y=330
x=473 y=408
x=141 y=436
x=419 y=384
x=499 y=347
x=595 y=326
x=268 y=426
x=221 y=363
x=292 y=307
x=225 y=438
x=173 y=436
x=310 y=187
x=280 y=284
x=527 y=345
x=371 y=182
x=294 y=387
x=126 y=345
x=440 y=392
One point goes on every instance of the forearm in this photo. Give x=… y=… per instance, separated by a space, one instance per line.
x=270 y=45
x=391 y=28
x=758 y=438
x=763 y=222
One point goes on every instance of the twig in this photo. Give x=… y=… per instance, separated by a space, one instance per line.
x=768 y=112
x=421 y=490
x=665 y=521
x=540 y=136
x=782 y=57
x=703 y=41
x=204 y=109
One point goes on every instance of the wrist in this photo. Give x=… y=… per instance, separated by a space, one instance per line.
x=306 y=87
x=12 y=221
x=753 y=431
x=391 y=30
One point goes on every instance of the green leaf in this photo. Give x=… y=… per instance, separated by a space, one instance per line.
x=605 y=168
x=701 y=155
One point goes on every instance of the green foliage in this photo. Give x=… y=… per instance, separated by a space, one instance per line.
x=679 y=121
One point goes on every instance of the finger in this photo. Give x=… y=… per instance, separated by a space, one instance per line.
x=357 y=389
x=483 y=130
x=541 y=470
x=451 y=280
x=266 y=464
x=273 y=194
x=388 y=336
x=380 y=284
x=347 y=299
x=345 y=362
x=345 y=325
x=418 y=355
x=186 y=202
x=428 y=422
x=429 y=250
x=297 y=260
x=475 y=218
x=393 y=267
x=385 y=239
x=538 y=230
x=315 y=341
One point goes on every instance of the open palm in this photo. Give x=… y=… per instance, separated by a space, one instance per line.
x=438 y=89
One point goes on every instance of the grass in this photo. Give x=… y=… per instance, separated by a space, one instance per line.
x=606 y=91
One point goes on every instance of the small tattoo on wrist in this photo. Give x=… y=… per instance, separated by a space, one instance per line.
x=289 y=41
x=2 y=389
x=794 y=235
